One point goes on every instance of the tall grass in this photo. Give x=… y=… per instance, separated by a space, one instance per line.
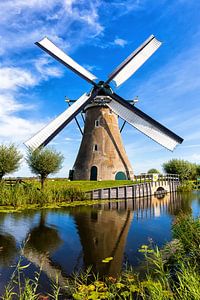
x=171 y=273
x=54 y=192
x=22 y=195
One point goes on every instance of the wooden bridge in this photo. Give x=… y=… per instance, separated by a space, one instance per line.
x=143 y=186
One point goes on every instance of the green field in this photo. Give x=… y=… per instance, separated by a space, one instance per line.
x=83 y=185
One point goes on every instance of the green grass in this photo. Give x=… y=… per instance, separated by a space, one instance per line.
x=83 y=185
x=57 y=193
x=171 y=273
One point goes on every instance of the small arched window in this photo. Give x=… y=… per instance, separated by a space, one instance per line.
x=95 y=147
x=96 y=123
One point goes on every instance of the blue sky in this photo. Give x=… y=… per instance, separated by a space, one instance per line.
x=99 y=35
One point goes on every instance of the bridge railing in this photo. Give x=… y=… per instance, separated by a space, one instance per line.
x=155 y=177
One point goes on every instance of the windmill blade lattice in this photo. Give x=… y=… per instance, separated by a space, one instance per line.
x=58 y=54
x=134 y=61
x=144 y=123
x=44 y=136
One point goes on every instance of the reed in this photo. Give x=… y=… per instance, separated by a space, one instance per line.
x=22 y=195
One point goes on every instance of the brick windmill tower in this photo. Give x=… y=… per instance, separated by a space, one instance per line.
x=102 y=155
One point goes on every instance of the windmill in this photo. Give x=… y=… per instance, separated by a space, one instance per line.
x=101 y=154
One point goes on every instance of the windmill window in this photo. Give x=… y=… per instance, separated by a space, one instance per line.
x=95 y=148
x=96 y=123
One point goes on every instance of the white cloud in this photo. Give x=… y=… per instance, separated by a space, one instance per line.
x=8 y=105
x=16 y=129
x=13 y=77
x=46 y=69
x=24 y=22
x=120 y=42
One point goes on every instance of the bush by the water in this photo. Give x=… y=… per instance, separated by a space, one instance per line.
x=171 y=273
x=186 y=186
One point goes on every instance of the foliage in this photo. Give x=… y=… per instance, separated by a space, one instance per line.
x=44 y=162
x=187 y=231
x=185 y=169
x=171 y=273
x=9 y=159
x=198 y=170
x=152 y=171
x=186 y=186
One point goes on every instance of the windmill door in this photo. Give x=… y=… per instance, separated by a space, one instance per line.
x=93 y=173
x=120 y=176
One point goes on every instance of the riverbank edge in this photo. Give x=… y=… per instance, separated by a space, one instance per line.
x=11 y=209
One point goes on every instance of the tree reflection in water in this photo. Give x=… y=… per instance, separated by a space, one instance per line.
x=42 y=241
x=8 y=249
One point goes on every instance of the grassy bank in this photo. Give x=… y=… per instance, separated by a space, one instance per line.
x=83 y=185
x=57 y=193
x=170 y=273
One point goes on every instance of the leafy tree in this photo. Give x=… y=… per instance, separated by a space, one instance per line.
x=44 y=162
x=151 y=171
x=198 y=170
x=9 y=159
x=185 y=169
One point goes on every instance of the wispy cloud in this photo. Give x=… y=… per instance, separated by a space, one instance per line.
x=12 y=78
x=24 y=22
x=120 y=42
x=46 y=68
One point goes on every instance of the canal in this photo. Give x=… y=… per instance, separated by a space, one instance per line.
x=62 y=241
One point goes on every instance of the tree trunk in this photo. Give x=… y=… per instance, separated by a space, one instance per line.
x=42 y=182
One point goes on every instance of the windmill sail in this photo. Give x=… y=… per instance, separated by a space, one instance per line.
x=134 y=61
x=58 y=54
x=144 y=123
x=44 y=136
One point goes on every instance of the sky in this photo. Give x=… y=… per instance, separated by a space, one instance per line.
x=99 y=35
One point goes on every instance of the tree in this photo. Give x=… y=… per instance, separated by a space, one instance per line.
x=9 y=159
x=44 y=162
x=185 y=169
x=198 y=170
x=151 y=171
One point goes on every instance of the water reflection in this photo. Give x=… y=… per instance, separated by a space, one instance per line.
x=42 y=238
x=40 y=244
x=103 y=235
x=61 y=241
x=8 y=249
